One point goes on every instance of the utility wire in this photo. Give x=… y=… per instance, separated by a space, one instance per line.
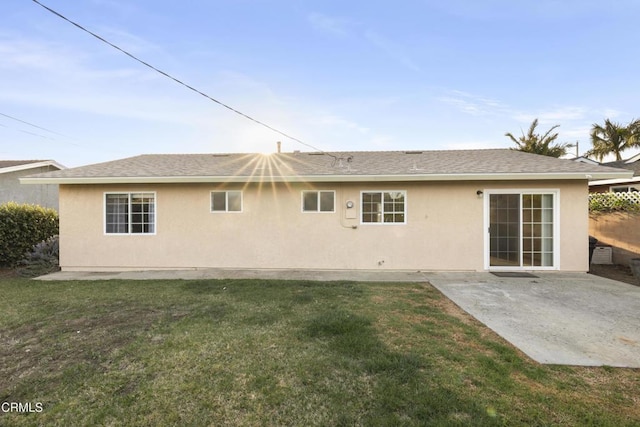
x=27 y=132
x=38 y=127
x=31 y=124
x=180 y=82
x=36 y=134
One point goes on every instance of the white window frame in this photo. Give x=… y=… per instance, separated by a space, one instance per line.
x=556 y=228
x=404 y=192
x=622 y=188
x=226 y=201
x=333 y=209
x=130 y=213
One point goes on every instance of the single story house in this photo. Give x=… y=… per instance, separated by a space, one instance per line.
x=619 y=184
x=11 y=191
x=495 y=209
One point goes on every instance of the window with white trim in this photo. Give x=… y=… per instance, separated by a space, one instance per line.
x=386 y=207
x=130 y=213
x=318 y=201
x=226 y=201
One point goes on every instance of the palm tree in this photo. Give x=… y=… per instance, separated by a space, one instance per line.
x=613 y=138
x=536 y=144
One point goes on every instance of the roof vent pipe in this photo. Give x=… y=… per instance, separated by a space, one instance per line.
x=279 y=144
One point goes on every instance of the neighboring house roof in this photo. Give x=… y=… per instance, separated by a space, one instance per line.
x=632 y=164
x=633 y=159
x=585 y=160
x=7 y=166
x=491 y=164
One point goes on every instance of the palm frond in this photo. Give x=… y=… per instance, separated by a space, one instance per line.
x=614 y=138
x=532 y=142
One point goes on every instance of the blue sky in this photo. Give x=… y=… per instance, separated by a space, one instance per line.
x=338 y=75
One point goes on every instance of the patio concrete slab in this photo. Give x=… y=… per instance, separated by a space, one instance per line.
x=555 y=318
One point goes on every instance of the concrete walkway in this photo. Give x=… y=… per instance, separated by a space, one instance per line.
x=554 y=318
x=220 y=273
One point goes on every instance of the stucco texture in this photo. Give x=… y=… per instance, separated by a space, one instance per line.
x=444 y=230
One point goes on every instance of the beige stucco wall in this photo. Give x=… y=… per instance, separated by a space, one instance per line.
x=445 y=228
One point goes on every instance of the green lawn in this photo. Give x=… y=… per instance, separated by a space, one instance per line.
x=250 y=352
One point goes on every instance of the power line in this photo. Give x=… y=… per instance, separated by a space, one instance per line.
x=31 y=124
x=37 y=127
x=36 y=134
x=180 y=82
x=26 y=131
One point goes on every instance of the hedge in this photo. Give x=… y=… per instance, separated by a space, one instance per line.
x=614 y=202
x=21 y=227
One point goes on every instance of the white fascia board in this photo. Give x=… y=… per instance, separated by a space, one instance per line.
x=633 y=159
x=330 y=178
x=614 y=181
x=35 y=165
x=585 y=161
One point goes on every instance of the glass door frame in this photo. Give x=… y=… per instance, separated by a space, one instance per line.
x=556 y=228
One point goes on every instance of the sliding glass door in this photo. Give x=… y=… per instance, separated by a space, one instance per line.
x=522 y=229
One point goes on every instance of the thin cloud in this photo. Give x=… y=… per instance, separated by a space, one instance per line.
x=554 y=115
x=464 y=105
x=130 y=42
x=611 y=113
x=469 y=145
x=336 y=121
x=29 y=54
x=542 y=11
x=335 y=26
x=472 y=104
x=573 y=133
x=391 y=49
x=54 y=62
x=126 y=8
x=341 y=27
x=575 y=121
x=480 y=105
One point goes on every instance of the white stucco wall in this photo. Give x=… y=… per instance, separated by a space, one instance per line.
x=444 y=231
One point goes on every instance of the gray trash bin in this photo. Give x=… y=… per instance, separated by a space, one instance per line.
x=592 y=246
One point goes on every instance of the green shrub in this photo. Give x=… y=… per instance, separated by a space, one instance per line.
x=614 y=202
x=22 y=227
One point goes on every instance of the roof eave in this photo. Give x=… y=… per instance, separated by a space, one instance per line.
x=329 y=178
x=614 y=181
x=35 y=165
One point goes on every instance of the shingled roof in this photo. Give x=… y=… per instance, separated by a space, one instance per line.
x=632 y=164
x=499 y=164
x=11 y=163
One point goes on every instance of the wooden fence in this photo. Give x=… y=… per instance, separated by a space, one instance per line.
x=614 y=219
